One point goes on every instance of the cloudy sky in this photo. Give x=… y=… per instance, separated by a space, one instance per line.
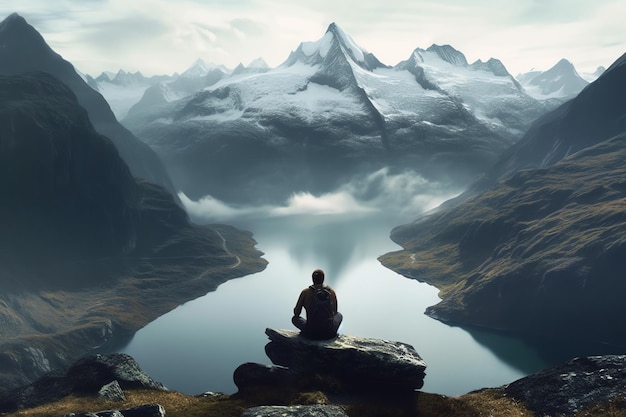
x=165 y=36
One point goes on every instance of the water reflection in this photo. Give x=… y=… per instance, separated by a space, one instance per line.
x=197 y=346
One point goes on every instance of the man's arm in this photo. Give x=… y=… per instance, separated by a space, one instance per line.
x=334 y=299
x=298 y=308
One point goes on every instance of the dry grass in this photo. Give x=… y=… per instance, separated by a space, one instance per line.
x=485 y=404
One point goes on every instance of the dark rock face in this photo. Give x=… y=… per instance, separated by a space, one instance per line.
x=66 y=192
x=571 y=387
x=358 y=362
x=87 y=376
x=295 y=411
x=23 y=49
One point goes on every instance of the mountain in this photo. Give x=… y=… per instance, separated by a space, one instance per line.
x=330 y=112
x=591 y=117
x=24 y=50
x=562 y=81
x=541 y=250
x=124 y=89
x=197 y=77
x=485 y=89
x=87 y=252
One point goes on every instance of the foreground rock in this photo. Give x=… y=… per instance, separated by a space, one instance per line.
x=296 y=411
x=371 y=364
x=577 y=384
x=148 y=410
x=87 y=376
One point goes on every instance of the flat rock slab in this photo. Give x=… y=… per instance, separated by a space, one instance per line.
x=569 y=388
x=295 y=411
x=362 y=362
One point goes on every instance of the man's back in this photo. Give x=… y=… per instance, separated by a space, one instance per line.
x=320 y=303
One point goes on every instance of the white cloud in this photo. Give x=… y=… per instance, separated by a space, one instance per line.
x=403 y=194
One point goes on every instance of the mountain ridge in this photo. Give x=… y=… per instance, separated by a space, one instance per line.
x=24 y=50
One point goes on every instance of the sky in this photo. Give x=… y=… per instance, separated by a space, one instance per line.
x=167 y=36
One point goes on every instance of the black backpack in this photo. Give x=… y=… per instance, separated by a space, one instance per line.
x=319 y=316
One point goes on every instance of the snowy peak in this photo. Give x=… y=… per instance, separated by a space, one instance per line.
x=200 y=69
x=335 y=44
x=255 y=67
x=448 y=54
x=259 y=63
x=561 y=81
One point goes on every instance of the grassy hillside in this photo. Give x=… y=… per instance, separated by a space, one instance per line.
x=541 y=253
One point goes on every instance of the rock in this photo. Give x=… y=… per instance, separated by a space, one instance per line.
x=86 y=377
x=148 y=410
x=360 y=363
x=295 y=411
x=112 y=391
x=569 y=388
x=254 y=374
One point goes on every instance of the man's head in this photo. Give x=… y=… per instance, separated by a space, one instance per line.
x=318 y=276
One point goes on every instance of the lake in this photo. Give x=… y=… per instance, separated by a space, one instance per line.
x=196 y=347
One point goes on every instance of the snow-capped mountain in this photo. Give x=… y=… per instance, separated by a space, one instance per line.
x=198 y=76
x=562 y=82
x=484 y=89
x=256 y=66
x=335 y=110
x=123 y=89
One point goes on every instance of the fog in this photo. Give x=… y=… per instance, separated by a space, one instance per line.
x=403 y=195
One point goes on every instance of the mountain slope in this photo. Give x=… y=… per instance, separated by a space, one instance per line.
x=330 y=112
x=540 y=252
x=87 y=252
x=596 y=114
x=24 y=50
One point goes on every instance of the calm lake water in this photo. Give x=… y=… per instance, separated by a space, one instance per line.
x=196 y=347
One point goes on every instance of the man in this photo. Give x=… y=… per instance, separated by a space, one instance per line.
x=320 y=302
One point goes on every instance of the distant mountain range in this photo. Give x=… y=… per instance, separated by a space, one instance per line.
x=539 y=247
x=330 y=112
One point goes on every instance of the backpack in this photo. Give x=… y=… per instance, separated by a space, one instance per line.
x=320 y=314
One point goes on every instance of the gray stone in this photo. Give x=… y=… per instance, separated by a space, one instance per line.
x=147 y=410
x=87 y=376
x=112 y=391
x=569 y=388
x=295 y=411
x=362 y=363
x=252 y=374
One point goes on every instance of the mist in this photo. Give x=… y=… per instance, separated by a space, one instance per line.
x=403 y=195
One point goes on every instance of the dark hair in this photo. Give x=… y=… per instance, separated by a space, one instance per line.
x=318 y=276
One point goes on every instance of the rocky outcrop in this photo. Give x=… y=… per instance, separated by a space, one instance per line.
x=295 y=411
x=87 y=377
x=573 y=386
x=148 y=410
x=359 y=363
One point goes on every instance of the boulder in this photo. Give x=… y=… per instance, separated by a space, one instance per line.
x=250 y=374
x=147 y=410
x=360 y=363
x=571 y=387
x=295 y=411
x=112 y=392
x=86 y=377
